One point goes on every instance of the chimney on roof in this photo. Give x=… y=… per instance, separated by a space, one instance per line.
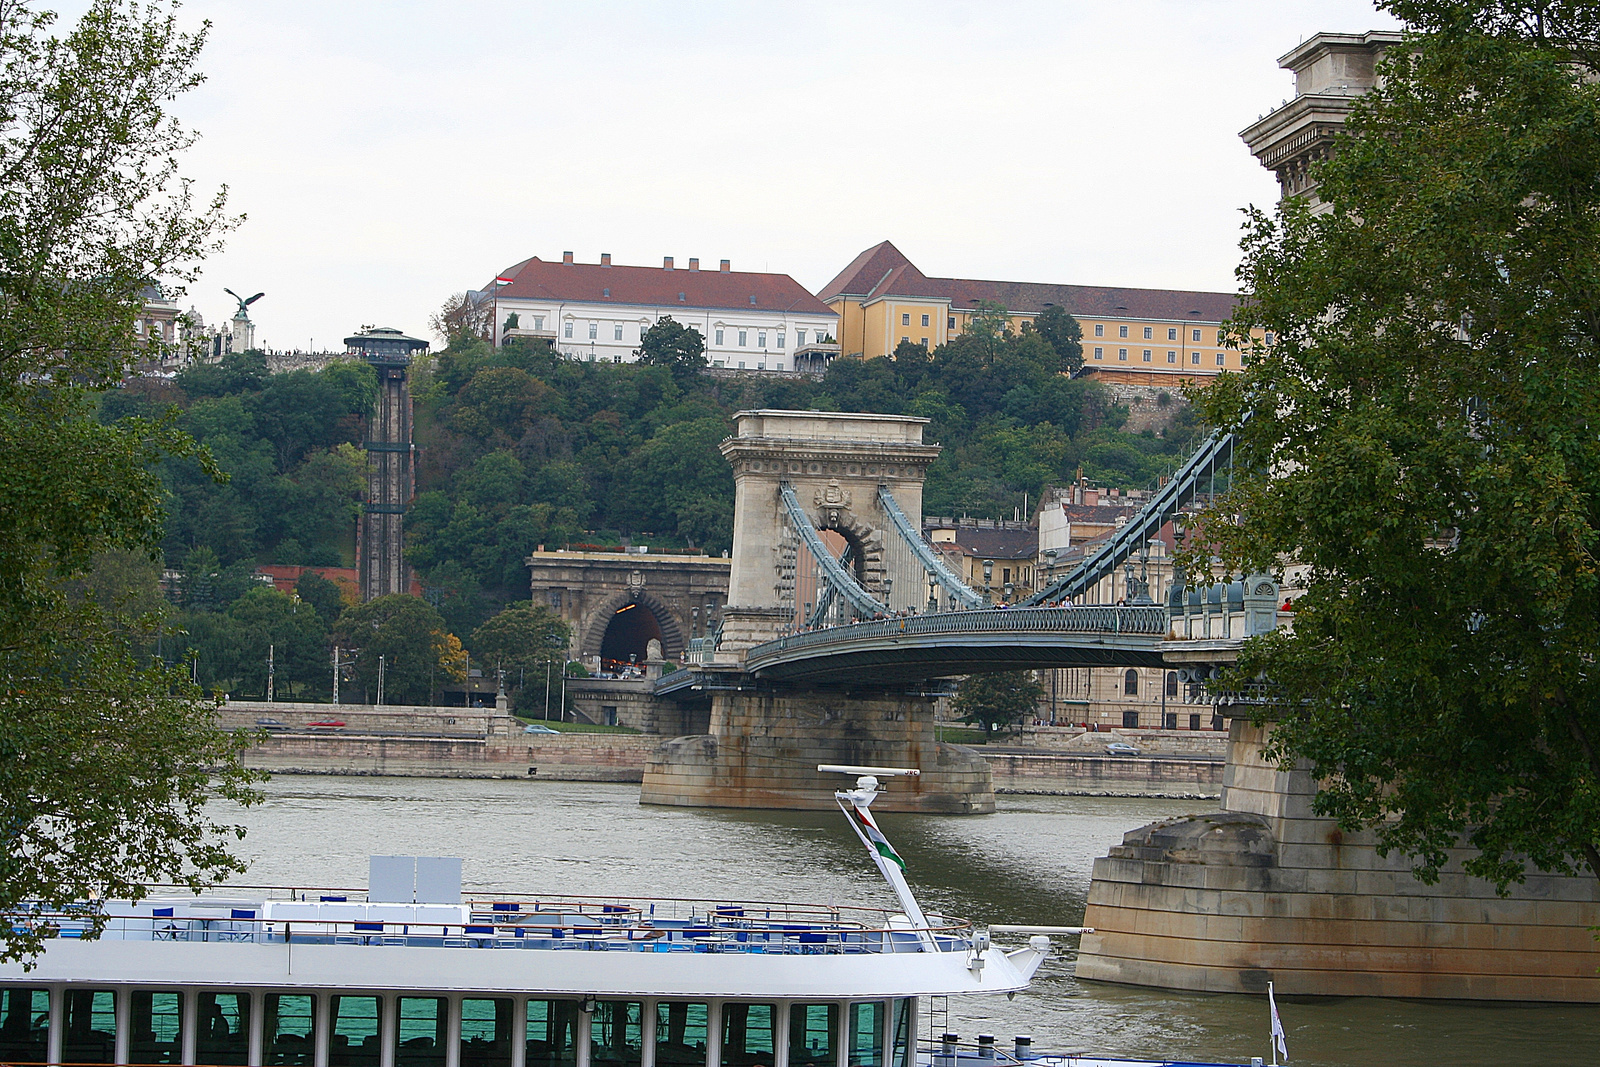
x=725 y=267
x=605 y=259
x=566 y=257
x=666 y=262
x=694 y=264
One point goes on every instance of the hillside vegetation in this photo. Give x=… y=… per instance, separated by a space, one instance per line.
x=520 y=447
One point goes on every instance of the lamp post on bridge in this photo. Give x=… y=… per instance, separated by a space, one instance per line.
x=988 y=578
x=1050 y=555
x=933 y=594
x=888 y=596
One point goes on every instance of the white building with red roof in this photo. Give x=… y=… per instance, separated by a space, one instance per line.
x=599 y=311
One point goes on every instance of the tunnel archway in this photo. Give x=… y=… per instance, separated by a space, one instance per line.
x=628 y=634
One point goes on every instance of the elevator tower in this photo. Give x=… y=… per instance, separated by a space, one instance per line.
x=391 y=477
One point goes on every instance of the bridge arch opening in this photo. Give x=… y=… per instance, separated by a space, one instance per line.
x=810 y=585
x=628 y=635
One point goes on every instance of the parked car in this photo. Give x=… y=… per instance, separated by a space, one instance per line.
x=271 y=724
x=1121 y=748
x=326 y=724
x=537 y=728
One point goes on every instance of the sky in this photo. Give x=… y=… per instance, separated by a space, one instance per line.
x=389 y=154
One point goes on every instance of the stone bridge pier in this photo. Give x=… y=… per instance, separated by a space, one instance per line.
x=766 y=740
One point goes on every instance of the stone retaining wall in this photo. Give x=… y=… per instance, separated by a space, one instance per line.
x=764 y=748
x=560 y=757
x=1264 y=890
x=1021 y=772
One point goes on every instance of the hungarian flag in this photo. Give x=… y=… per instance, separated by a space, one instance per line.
x=863 y=819
x=502 y=281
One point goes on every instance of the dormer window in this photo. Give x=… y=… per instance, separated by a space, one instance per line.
x=682 y=297
x=752 y=298
x=606 y=292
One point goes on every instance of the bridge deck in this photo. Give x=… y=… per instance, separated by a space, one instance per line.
x=964 y=642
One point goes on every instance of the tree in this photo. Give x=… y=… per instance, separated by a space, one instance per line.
x=417 y=653
x=1418 y=432
x=324 y=596
x=1063 y=333
x=997 y=701
x=107 y=758
x=521 y=637
x=669 y=344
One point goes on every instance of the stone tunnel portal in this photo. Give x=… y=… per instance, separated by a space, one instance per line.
x=628 y=635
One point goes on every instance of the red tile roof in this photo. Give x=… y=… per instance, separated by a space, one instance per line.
x=537 y=279
x=883 y=270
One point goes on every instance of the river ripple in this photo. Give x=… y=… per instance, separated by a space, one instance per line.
x=1027 y=863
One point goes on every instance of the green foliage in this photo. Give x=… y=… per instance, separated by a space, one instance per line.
x=521 y=635
x=418 y=654
x=324 y=596
x=107 y=757
x=670 y=344
x=1063 y=334
x=1426 y=411
x=523 y=447
x=998 y=701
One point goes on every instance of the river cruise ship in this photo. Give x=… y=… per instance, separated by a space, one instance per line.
x=413 y=972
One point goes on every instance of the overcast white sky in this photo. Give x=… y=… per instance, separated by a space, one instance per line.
x=391 y=153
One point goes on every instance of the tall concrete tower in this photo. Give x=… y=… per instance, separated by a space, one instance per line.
x=391 y=478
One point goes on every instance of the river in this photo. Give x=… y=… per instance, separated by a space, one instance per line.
x=1027 y=863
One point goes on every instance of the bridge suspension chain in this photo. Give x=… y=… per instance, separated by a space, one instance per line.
x=839 y=579
x=926 y=556
x=1215 y=452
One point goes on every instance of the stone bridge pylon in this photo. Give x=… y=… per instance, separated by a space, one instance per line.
x=810 y=484
x=834 y=465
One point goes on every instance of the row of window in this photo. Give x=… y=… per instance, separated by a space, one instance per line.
x=1149 y=333
x=354 y=1030
x=1172 y=356
x=720 y=334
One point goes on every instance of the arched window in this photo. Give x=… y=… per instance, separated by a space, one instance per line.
x=1172 y=683
x=1130 y=683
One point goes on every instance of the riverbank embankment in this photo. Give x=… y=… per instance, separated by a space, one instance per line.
x=427 y=742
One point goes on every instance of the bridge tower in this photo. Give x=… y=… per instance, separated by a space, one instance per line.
x=833 y=464
x=805 y=481
x=381 y=568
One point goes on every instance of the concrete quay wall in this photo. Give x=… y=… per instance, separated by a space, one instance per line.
x=1264 y=890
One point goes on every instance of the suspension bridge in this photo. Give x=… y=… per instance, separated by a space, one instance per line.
x=841 y=618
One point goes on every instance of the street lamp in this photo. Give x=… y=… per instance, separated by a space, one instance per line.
x=1050 y=555
x=988 y=578
x=888 y=592
x=933 y=594
x=1010 y=591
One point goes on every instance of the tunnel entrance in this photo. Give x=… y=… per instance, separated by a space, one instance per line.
x=628 y=637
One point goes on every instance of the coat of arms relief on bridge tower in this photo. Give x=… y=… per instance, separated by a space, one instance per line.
x=831 y=500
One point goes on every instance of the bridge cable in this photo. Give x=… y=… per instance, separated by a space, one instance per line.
x=1179 y=491
x=925 y=554
x=840 y=579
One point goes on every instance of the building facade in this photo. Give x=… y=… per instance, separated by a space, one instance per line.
x=599 y=311
x=1152 y=337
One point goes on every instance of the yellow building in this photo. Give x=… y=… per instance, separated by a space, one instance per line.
x=1132 y=336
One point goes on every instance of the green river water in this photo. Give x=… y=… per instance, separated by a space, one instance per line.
x=1027 y=863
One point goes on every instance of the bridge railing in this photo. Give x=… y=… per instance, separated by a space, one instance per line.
x=1147 y=621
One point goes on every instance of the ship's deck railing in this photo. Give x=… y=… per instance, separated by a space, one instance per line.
x=549 y=923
